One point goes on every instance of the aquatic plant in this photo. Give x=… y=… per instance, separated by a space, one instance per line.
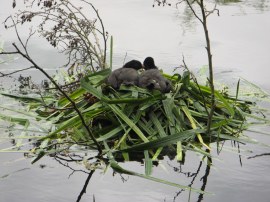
x=134 y=123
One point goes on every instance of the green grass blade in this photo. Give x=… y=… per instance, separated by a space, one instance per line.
x=148 y=163
x=128 y=121
x=179 y=150
x=158 y=125
x=110 y=134
x=121 y=170
x=16 y=120
x=237 y=90
x=226 y=103
x=194 y=125
x=23 y=98
x=74 y=96
x=165 y=141
x=111 y=52
x=159 y=150
x=29 y=114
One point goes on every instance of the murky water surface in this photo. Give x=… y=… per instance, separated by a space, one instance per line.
x=241 y=47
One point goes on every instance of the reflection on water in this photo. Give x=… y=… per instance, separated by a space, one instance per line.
x=239 y=37
x=192 y=176
x=261 y=5
x=228 y=1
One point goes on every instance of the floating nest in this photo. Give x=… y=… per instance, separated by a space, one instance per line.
x=133 y=120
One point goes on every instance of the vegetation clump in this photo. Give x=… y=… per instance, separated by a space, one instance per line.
x=133 y=120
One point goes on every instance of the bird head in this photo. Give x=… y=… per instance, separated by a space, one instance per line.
x=134 y=64
x=149 y=63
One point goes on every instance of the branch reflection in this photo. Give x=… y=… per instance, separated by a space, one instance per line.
x=193 y=176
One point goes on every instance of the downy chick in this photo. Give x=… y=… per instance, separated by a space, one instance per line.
x=152 y=78
x=126 y=75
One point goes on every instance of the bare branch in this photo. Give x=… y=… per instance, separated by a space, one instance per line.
x=59 y=160
x=30 y=35
x=16 y=71
x=9 y=53
x=203 y=20
x=259 y=155
x=18 y=36
x=192 y=9
x=210 y=64
x=179 y=2
x=209 y=12
x=83 y=191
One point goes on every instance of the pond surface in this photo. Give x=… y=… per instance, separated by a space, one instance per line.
x=241 y=47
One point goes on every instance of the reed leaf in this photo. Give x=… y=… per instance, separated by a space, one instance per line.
x=78 y=93
x=148 y=163
x=165 y=141
x=129 y=122
x=179 y=151
x=17 y=120
x=113 y=133
x=226 y=103
x=159 y=150
x=111 y=52
x=24 y=98
x=121 y=170
x=157 y=124
x=194 y=126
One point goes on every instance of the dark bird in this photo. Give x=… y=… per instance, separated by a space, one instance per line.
x=126 y=75
x=134 y=64
x=149 y=63
x=152 y=78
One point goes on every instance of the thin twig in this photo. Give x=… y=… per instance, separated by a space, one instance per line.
x=103 y=29
x=16 y=71
x=9 y=53
x=68 y=166
x=204 y=179
x=259 y=155
x=83 y=191
x=193 y=11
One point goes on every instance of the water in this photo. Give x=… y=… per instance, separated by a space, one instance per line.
x=240 y=42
